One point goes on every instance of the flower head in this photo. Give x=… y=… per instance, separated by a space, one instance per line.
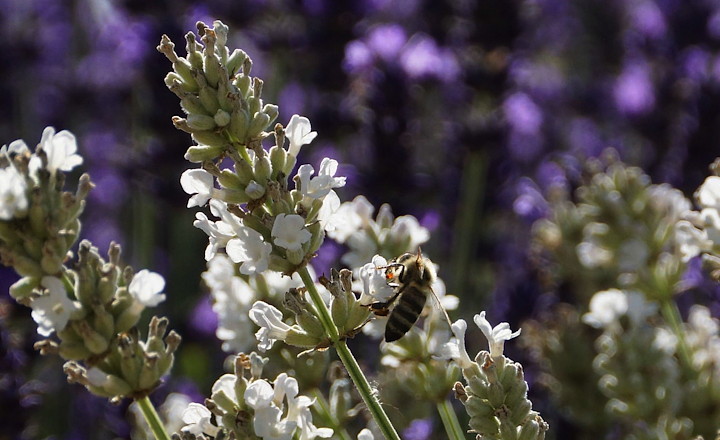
x=496 y=336
x=299 y=133
x=289 y=231
x=52 y=310
x=146 y=287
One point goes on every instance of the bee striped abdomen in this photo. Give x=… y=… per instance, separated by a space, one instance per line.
x=406 y=312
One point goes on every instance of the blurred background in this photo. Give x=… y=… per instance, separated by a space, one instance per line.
x=463 y=113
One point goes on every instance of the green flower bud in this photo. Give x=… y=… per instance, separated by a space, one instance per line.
x=485 y=425
x=242 y=82
x=184 y=69
x=290 y=162
x=149 y=372
x=230 y=180
x=318 y=236
x=298 y=338
x=93 y=340
x=211 y=65
x=295 y=256
x=254 y=190
x=235 y=61
x=278 y=156
x=172 y=79
x=280 y=264
x=201 y=153
x=127 y=313
x=115 y=386
x=239 y=124
x=254 y=102
x=271 y=110
x=24 y=266
x=73 y=351
x=222 y=118
x=209 y=99
x=520 y=412
x=263 y=169
x=259 y=123
x=529 y=430
x=103 y=322
x=191 y=104
x=23 y=287
x=225 y=402
x=201 y=122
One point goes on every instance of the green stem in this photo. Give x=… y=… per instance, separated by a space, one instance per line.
x=450 y=421
x=672 y=316
x=323 y=409
x=367 y=393
x=152 y=418
x=347 y=358
x=323 y=312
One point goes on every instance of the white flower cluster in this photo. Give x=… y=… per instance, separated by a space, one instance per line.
x=251 y=246
x=700 y=232
x=59 y=152
x=608 y=306
x=234 y=301
x=496 y=337
x=279 y=412
x=365 y=236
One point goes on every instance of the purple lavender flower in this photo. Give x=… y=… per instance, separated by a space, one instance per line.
x=203 y=319
x=522 y=114
x=387 y=41
x=422 y=58
x=358 y=57
x=633 y=90
x=647 y=18
x=419 y=429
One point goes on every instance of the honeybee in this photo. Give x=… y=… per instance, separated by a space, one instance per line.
x=411 y=276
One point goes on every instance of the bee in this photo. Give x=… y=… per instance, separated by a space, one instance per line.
x=411 y=276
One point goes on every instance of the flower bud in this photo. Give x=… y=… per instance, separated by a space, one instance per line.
x=201 y=153
x=211 y=138
x=242 y=82
x=271 y=110
x=277 y=159
x=263 y=169
x=222 y=118
x=259 y=123
x=201 y=122
x=239 y=124
x=235 y=61
x=23 y=287
x=295 y=256
x=318 y=236
x=191 y=104
x=254 y=190
x=209 y=100
x=93 y=340
x=103 y=322
x=280 y=264
x=73 y=351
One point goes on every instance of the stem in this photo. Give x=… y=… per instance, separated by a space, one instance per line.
x=152 y=418
x=367 y=393
x=324 y=410
x=323 y=312
x=347 y=358
x=450 y=421
x=672 y=316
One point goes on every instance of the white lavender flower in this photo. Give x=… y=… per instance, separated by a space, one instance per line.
x=496 y=336
x=608 y=306
x=198 y=420
x=250 y=249
x=13 y=190
x=198 y=183
x=319 y=186
x=272 y=327
x=61 y=151
x=375 y=287
x=289 y=232
x=146 y=287
x=298 y=132
x=51 y=311
x=455 y=348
